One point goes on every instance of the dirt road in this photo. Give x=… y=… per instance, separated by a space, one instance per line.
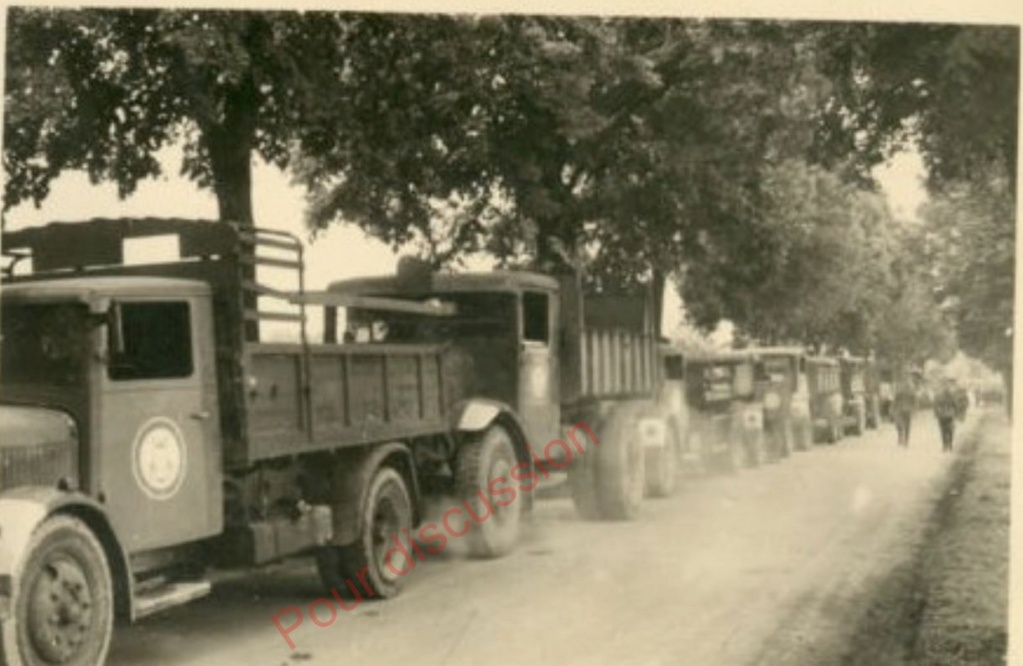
x=770 y=566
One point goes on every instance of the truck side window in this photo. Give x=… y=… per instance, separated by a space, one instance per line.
x=157 y=342
x=536 y=320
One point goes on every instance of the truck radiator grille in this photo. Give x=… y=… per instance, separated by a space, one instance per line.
x=43 y=465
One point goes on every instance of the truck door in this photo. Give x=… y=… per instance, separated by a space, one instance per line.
x=157 y=445
x=538 y=379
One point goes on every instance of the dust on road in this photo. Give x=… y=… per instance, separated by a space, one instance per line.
x=769 y=566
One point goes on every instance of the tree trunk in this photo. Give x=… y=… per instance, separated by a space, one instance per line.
x=230 y=143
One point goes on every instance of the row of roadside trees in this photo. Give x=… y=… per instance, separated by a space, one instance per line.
x=733 y=157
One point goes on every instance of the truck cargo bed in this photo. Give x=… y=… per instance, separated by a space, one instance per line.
x=347 y=395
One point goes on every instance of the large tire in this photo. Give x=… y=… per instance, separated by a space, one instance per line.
x=62 y=610
x=858 y=424
x=754 y=448
x=804 y=437
x=386 y=516
x=481 y=462
x=735 y=457
x=582 y=480
x=662 y=466
x=788 y=438
x=621 y=466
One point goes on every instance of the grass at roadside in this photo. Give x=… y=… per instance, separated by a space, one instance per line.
x=965 y=565
x=948 y=604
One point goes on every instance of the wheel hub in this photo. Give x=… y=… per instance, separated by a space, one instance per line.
x=60 y=611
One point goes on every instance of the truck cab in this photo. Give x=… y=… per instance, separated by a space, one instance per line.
x=786 y=399
x=505 y=326
x=131 y=362
x=726 y=409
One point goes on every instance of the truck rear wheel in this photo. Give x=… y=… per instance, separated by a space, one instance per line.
x=582 y=480
x=376 y=559
x=858 y=424
x=480 y=463
x=788 y=438
x=621 y=466
x=804 y=435
x=755 y=448
x=62 y=610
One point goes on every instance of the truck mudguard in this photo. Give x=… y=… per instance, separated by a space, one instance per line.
x=476 y=415
x=23 y=509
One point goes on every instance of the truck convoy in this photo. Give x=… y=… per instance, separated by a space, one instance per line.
x=151 y=435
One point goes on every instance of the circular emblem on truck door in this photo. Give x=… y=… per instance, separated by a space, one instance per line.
x=159 y=458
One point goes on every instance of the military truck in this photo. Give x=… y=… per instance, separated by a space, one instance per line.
x=786 y=399
x=824 y=384
x=853 y=371
x=150 y=434
x=873 y=393
x=726 y=412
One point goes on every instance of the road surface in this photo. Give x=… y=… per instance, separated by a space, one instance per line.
x=770 y=566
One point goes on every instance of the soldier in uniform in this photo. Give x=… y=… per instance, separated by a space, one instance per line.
x=947 y=409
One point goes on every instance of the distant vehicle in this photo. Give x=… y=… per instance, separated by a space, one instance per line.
x=852 y=371
x=726 y=412
x=872 y=394
x=786 y=399
x=885 y=391
x=826 y=404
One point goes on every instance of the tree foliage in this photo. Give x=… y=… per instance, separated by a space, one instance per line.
x=103 y=90
x=733 y=154
x=822 y=263
x=950 y=90
x=971 y=246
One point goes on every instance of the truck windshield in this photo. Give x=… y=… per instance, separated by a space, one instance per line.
x=44 y=344
x=478 y=316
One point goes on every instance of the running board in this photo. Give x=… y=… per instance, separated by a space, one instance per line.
x=169 y=596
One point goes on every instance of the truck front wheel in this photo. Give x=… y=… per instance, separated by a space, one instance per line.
x=482 y=466
x=62 y=610
x=383 y=553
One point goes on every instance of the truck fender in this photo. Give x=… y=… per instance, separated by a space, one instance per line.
x=353 y=471
x=23 y=509
x=477 y=414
